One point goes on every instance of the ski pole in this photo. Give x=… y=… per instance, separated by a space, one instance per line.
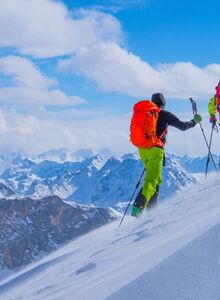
x=137 y=185
x=195 y=111
x=214 y=126
x=208 y=156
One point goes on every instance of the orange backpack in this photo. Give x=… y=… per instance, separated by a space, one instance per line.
x=144 y=125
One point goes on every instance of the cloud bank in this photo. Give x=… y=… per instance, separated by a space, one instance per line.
x=114 y=69
x=35 y=134
x=94 y=42
x=44 y=28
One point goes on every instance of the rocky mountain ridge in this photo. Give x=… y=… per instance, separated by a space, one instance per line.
x=31 y=229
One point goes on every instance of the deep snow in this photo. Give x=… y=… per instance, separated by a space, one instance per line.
x=169 y=253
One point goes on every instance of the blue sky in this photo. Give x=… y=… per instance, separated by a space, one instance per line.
x=167 y=31
x=70 y=71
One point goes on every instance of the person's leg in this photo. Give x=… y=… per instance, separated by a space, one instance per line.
x=153 y=201
x=153 y=162
x=140 y=200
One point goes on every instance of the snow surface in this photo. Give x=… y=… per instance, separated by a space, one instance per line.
x=170 y=253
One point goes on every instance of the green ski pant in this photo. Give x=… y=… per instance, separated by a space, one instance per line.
x=153 y=162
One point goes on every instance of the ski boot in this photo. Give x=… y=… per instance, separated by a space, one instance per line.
x=153 y=201
x=138 y=205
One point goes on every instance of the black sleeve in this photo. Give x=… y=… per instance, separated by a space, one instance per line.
x=172 y=120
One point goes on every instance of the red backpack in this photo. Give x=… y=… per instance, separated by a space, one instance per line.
x=144 y=125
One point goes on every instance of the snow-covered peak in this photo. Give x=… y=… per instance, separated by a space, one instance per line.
x=105 y=153
x=82 y=154
x=7 y=159
x=57 y=155
x=22 y=162
x=96 y=161
x=130 y=156
x=63 y=155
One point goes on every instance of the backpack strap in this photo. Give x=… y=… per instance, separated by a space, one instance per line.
x=163 y=134
x=160 y=143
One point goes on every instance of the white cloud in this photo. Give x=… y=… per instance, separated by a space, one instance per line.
x=35 y=134
x=114 y=69
x=115 y=6
x=45 y=28
x=30 y=86
x=74 y=130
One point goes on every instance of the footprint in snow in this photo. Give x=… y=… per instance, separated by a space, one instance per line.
x=142 y=234
x=121 y=239
x=86 y=268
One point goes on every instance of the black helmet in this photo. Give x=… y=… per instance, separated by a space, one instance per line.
x=159 y=100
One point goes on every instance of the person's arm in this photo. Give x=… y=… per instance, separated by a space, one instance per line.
x=212 y=106
x=172 y=120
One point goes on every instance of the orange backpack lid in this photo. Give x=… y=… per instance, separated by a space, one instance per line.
x=146 y=105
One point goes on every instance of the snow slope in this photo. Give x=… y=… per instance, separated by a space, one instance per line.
x=169 y=253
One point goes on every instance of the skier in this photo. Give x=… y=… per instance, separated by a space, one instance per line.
x=214 y=106
x=153 y=157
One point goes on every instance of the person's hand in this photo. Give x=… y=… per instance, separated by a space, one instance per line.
x=197 y=118
x=213 y=119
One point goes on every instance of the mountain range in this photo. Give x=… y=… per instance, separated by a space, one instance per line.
x=95 y=180
x=56 y=155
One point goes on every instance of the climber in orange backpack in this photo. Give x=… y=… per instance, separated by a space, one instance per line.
x=148 y=132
